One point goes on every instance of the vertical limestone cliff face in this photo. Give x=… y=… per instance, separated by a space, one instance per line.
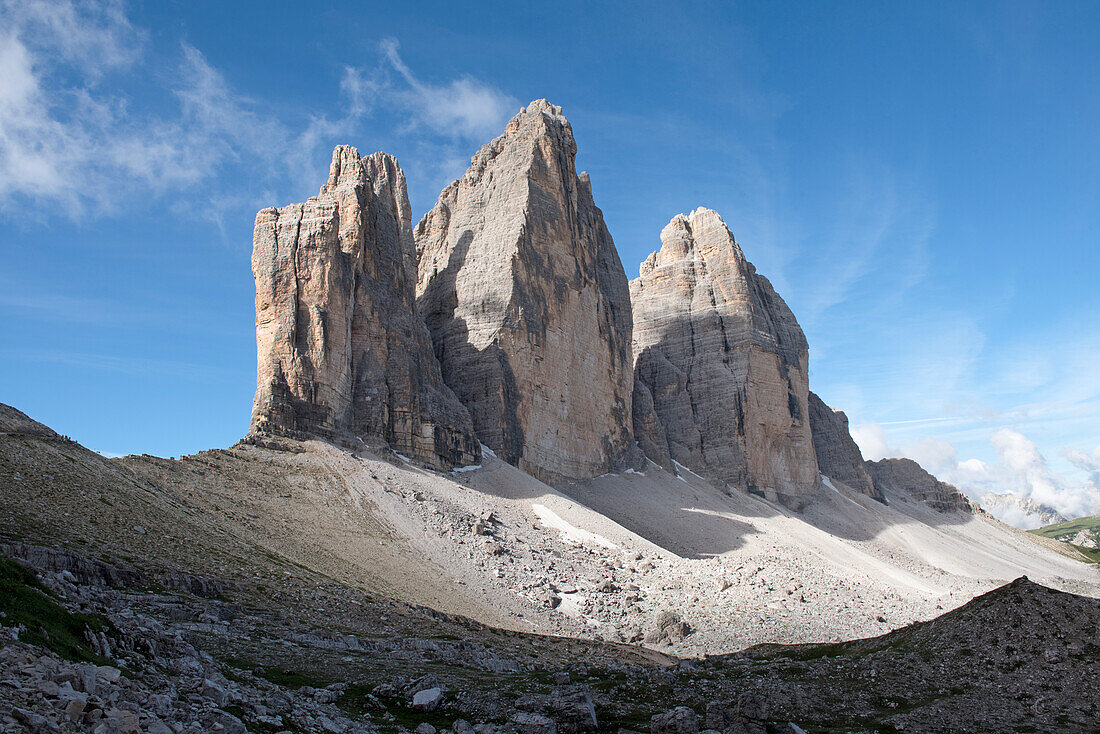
x=838 y=457
x=528 y=305
x=341 y=350
x=724 y=363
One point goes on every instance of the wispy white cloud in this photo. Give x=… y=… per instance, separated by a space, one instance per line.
x=1020 y=469
x=1086 y=461
x=73 y=140
x=877 y=218
x=441 y=125
x=95 y=35
x=69 y=139
x=465 y=107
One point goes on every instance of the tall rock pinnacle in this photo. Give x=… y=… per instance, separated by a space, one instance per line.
x=724 y=363
x=341 y=350
x=528 y=304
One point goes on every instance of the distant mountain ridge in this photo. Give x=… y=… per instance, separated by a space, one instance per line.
x=1022 y=512
x=1083 y=533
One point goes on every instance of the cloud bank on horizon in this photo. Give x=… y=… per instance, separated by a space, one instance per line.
x=916 y=330
x=1020 y=469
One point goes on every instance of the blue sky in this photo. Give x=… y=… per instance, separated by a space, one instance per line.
x=919 y=180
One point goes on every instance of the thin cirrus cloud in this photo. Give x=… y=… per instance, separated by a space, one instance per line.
x=62 y=123
x=65 y=117
x=464 y=107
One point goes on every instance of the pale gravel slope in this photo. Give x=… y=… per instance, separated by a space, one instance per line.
x=740 y=570
x=827 y=574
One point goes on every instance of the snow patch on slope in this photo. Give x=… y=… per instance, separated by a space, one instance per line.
x=569 y=532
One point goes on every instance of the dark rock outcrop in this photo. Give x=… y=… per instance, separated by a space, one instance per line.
x=838 y=456
x=906 y=475
x=341 y=350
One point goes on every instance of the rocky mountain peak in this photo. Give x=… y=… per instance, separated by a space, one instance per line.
x=686 y=234
x=342 y=353
x=528 y=305
x=724 y=363
x=347 y=168
x=908 y=477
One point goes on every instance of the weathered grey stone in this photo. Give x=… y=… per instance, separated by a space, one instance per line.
x=668 y=627
x=725 y=363
x=838 y=456
x=907 y=476
x=526 y=722
x=680 y=720
x=216 y=693
x=753 y=706
x=341 y=350
x=528 y=304
x=427 y=700
x=573 y=710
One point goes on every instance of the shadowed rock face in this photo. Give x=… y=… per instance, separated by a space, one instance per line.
x=838 y=457
x=528 y=306
x=725 y=364
x=906 y=475
x=341 y=350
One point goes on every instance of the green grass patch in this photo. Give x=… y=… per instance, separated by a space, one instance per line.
x=354 y=701
x=1070 y=526
x=25 y=601
x=1060 y=531
x=1092 y=555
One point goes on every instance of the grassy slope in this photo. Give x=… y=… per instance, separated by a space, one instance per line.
x=27 y=603
x=1072 y=527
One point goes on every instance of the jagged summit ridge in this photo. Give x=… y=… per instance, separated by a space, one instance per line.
x=724 y=362
x=908 y=476
x=340 y=350
x=528 y=305
x=505 y=318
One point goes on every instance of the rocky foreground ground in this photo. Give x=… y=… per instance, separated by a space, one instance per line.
x=95 y=646
x=156 y=595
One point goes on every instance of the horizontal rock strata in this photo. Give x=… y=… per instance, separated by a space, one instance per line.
x=906 y=475
x=725 y=363
x=341 y=350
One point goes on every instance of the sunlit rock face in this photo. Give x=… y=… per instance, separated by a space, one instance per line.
x=906 y=475
x=724 y=362
x=838 y=456
x=341 y=351
x=528 y=306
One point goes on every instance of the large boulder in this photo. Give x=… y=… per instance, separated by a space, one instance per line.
x=528 y=304
x=725 y=363
x=341 y=350
x=838 y=456
x=680 y=720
